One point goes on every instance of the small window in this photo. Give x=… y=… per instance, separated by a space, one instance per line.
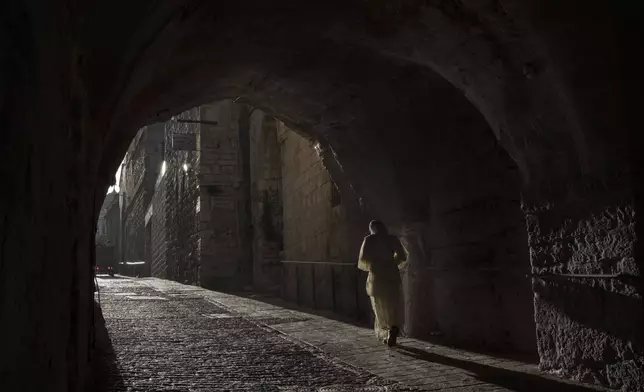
x=336 y=198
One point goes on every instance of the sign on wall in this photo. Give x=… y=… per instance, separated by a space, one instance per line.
x=184 y=141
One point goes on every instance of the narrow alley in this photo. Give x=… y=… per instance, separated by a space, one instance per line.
x=478 y=157
x=166 y=336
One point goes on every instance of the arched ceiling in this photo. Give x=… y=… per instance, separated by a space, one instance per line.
x=347 y=66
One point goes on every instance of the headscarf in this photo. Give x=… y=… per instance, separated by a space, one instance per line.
x=377 y=227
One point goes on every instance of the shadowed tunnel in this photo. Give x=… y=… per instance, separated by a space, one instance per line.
x=513 y=108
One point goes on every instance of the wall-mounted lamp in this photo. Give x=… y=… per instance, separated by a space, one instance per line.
x=186 y=167
x=164 y=167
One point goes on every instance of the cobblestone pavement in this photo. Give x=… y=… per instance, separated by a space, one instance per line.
x=166 y=336
x=176 y=340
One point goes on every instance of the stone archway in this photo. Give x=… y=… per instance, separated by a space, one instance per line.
x=530 y=68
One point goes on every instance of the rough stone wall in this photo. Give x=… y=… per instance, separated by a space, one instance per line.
x=317 y=229
x=195 y=217
x=312 y=226
x=134 y=167
x=134 y=228
x=141 y=170
x=476 y=243
x=220 y=195
x=588 y=328
x=106 y=227
x=179 y=196
x=341 y=231
x=154 y=155
x=159 y=221
x=135 y=195
x=107 y=233
x=266 y=196
x=113 y=221
x=51 y=196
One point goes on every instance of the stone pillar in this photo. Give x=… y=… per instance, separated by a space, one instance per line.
x=221 y=197
x=49 y=203
x=266 y=197
x=590 y=328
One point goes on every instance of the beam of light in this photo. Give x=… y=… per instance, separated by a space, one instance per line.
x=317 y=147
x=117 y=177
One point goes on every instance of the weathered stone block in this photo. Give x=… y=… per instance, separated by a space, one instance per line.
x=588 y=328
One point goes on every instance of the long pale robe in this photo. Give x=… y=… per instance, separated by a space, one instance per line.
x=382 y=255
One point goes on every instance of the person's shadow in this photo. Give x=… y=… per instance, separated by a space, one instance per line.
x=509 y=379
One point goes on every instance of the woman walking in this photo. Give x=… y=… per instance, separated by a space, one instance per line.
x=382 y=255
